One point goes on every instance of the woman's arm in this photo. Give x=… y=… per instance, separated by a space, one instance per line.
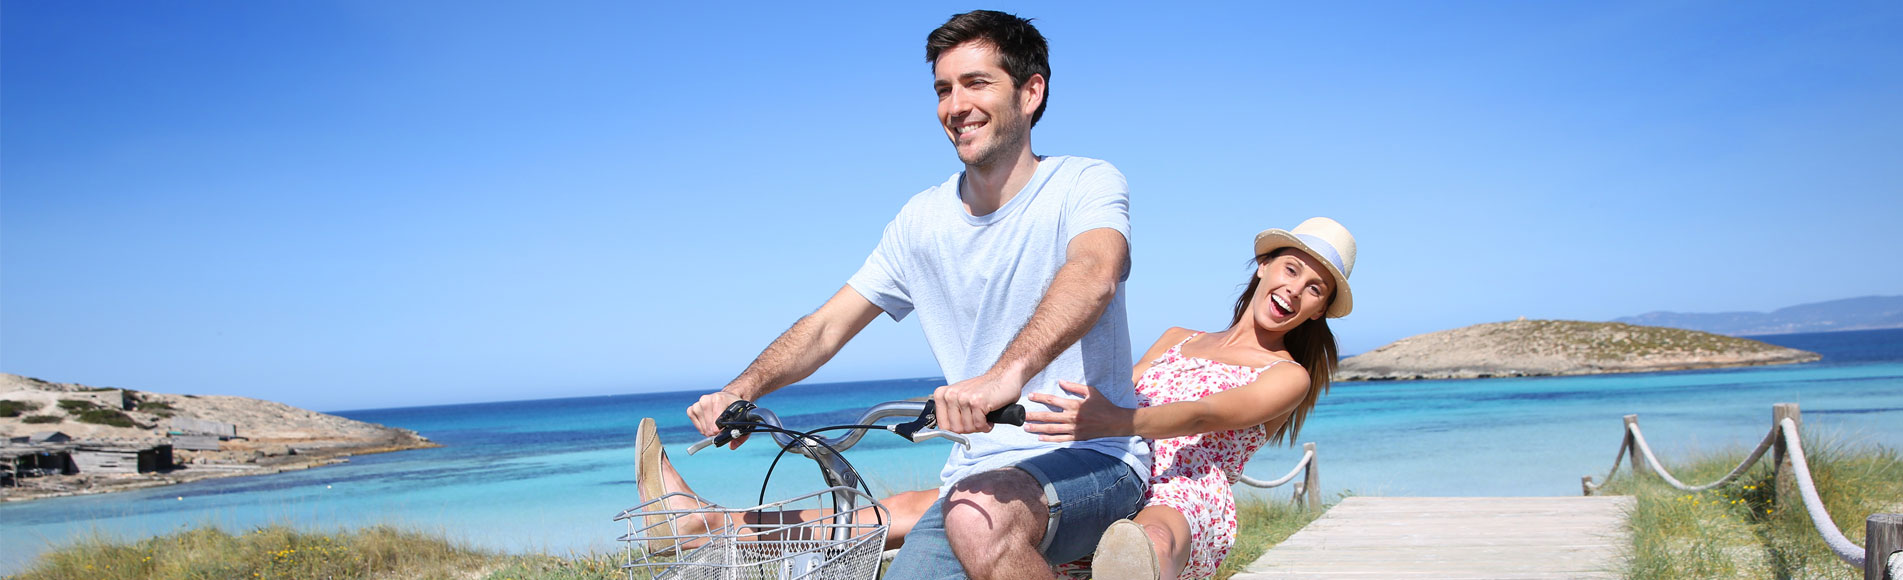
x=1275 y=393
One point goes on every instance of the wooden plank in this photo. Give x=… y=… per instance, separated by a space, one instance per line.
x=1484 y=537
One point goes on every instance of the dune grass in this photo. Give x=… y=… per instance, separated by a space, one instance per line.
x=375 y=552
x=1743 y=530
x=1261 y=523
x=389 y=552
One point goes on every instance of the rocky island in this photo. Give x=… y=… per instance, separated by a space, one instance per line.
x=68 y=439
x=1528 y=348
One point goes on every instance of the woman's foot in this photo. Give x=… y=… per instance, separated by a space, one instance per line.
x=648 y=455
x=654 y=478
x=1125 y=553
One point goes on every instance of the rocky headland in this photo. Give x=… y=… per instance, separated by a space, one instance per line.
x=264 y=436
x=1530 y=348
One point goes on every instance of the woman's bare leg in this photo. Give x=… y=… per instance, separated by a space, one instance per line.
x=904 y=509
x=1169 y=535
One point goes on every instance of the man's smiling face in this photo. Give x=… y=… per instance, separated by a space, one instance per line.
x=982 y=111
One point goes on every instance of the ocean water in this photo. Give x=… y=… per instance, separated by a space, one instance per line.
x=548 y=475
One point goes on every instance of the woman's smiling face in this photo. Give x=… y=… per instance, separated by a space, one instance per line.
x=1295 y=288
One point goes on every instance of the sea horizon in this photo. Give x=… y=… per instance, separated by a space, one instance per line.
x=547 y=475
x=1768 y=338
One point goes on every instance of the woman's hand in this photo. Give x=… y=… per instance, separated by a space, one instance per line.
x=1087 y=417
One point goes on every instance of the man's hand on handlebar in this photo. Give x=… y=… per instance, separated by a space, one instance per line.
x=962 y=406
x=708 y=409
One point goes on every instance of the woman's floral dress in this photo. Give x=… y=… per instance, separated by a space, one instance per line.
x=1190 y=473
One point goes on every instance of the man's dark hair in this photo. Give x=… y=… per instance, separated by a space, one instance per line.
x=1020 y=47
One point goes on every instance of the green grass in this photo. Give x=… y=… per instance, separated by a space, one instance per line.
x=1261 y=523
x=159 y=408
x=282 y=552
x=17 y=408
x=1742 y=530
x=111 y=417
x=76 y=406
x=380 y=552
x=42 y=419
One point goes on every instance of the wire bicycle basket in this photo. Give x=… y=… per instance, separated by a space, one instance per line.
x=845 y=541
x=756 y=543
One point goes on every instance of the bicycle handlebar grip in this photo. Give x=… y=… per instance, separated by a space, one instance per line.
x=1011 y=415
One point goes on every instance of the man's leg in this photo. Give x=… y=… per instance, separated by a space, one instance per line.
x=1016 y=522
x=995 y=522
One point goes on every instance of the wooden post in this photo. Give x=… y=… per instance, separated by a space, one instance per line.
x=1585 y=485
x=1632 y=447
x=1780 y=453
x=1882 y=536
x=1312 y=478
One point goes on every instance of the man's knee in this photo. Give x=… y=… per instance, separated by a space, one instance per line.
x=996 y=505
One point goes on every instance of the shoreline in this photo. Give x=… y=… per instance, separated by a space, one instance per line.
x=67 y=439
x=1473 y=374
x=57 y=486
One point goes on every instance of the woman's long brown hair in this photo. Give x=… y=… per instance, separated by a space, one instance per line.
x=1312 y=345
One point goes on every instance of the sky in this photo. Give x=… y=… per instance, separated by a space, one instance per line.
x=363 y=204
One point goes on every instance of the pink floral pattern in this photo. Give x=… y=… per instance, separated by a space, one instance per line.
x=1190 y=473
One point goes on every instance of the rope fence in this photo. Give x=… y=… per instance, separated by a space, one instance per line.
x=1881 y=556
x=1307 y=492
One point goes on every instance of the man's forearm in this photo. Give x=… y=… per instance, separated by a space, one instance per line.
x=791 y=357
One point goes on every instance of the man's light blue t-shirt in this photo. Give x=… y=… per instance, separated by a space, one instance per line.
x=975 y=280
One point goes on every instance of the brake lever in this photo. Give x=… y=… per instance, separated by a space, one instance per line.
x=927 y=420
x=935 y=432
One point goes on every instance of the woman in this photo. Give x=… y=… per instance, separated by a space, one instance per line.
x=1209 y=400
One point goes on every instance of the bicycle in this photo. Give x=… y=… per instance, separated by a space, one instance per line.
x=846 y=542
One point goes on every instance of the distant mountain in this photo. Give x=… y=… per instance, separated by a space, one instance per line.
x=1866 y=313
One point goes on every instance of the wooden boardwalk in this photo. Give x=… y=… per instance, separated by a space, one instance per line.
x=1455 y=537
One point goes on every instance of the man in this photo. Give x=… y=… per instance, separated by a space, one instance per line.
x=1016 y=268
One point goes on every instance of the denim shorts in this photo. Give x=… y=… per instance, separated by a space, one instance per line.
x=1084 y=491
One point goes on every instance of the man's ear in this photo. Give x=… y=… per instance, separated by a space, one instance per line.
x=1031 y=94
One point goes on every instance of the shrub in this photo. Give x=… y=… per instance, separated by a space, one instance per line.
x=42 y=419
x=17 y=408
x=76 y=406
x=1742 y=529
x=106 y=417
x=160 y=408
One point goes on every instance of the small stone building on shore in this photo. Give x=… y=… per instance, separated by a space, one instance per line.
x=52 y=453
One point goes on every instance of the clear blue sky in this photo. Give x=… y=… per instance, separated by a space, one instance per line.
x=356 y=204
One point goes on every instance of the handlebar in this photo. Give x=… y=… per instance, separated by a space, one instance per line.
x=740 y=417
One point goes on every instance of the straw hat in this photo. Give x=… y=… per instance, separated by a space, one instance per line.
x=1327 y=241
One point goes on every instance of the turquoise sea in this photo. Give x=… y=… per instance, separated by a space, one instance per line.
x=548 y=475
